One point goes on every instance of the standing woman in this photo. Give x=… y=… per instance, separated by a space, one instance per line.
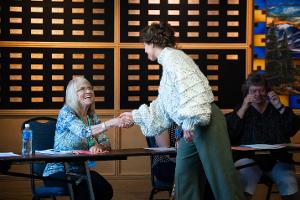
x=185 y=97
x=79 y=128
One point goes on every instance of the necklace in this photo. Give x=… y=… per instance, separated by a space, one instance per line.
x=88 y=121
x=91 y=141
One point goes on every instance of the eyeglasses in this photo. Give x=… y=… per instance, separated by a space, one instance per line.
x=257 y=90
x=85 y=89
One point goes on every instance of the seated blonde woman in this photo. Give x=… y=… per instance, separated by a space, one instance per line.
x=79 y=128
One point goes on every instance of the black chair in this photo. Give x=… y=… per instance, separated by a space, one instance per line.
x=157 y=184
x=268 y=182
x=43 y=131
x=4 y=166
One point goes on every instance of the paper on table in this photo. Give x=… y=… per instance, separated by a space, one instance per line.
x=52 y=152
x=88 y=152
x=7 y=154
x=82 y=152
x=265 y=146
x=293 y=145
x=162 y=148
x=242 y=148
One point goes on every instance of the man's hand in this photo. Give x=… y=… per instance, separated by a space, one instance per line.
x=274 y=99
x=248 y=100
x=246 y=103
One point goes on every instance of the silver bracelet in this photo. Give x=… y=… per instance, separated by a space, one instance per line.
x=103 y=126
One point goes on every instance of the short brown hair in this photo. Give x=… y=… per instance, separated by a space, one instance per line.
x=160 y=34
x=255 y=79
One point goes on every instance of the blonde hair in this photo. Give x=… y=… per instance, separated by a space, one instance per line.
x=72 y=99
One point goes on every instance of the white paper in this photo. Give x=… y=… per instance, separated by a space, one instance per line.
x=51 y=152
x=265 y=146
x=162 y=149
x=7 y=154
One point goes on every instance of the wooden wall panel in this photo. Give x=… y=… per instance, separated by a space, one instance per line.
x=116 y=40
x=133 y=138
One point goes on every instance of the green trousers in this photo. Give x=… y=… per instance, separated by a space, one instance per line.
x=208 y=153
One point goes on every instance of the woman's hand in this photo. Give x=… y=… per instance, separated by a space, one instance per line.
x=119 y=121
x=98 y=148
x=125 y=120
x=127 y=116
x=188 y=136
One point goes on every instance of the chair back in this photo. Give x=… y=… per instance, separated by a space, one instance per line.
x=43 y=132
x=157 y=184
x=151 y=142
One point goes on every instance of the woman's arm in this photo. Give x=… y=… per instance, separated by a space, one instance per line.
x=163 y=140
x=100 y=142
x=104 y=142
x=103 y=126
x=152 y=119
x=68 y=120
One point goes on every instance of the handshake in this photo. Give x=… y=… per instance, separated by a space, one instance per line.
x=124 y=120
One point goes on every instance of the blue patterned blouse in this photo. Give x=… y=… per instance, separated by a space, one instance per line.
x=72 y=134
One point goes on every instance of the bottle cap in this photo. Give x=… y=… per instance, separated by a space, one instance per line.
x=27 y=125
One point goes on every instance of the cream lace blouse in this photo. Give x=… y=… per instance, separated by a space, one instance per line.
x=184 y=96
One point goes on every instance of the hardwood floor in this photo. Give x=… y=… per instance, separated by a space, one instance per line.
x=12 y=188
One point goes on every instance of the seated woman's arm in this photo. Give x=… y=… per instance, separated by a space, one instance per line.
x=103 y=126
x=163 y=140
x=102 y=142
x=102 y=145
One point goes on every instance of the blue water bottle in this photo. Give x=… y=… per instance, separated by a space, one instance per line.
x=178 y=135
x=26 y=140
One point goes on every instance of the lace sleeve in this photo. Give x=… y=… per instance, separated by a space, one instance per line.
x=152 y=119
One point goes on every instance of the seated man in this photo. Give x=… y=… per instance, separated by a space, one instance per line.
x=262 y=119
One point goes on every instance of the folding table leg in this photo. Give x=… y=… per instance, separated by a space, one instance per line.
x=89 y=180
x=70 y=187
